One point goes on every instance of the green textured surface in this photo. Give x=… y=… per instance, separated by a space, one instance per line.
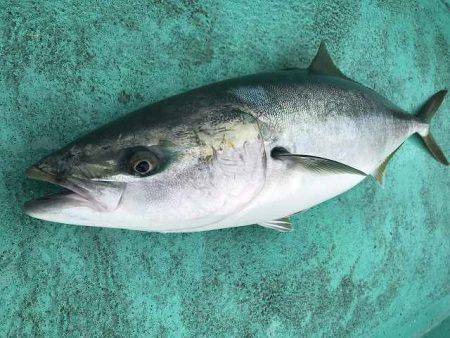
x=374 y=261
x=441 y=330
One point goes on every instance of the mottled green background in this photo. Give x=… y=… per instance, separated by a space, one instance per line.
x=374 y=261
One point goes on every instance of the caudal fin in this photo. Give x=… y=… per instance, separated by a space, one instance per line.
x=425 y=115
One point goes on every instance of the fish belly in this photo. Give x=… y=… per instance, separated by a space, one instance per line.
x=289 y=195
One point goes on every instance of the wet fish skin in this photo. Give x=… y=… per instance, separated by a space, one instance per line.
x=214 y=147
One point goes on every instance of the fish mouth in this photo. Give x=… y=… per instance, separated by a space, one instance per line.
x=68 y=186
x=75 y=195
x=70 y=195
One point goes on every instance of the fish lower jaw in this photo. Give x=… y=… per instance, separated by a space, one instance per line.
x=52 y=206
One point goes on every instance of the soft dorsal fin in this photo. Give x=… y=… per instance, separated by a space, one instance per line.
x=282 y=224
x=379 y=172
x=323 y=64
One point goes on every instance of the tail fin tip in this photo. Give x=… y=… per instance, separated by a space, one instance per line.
x=425 y=115
x=434 y=149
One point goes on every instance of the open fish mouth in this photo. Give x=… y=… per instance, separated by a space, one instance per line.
x=75 y=195
x=67 y=185
x=70 y=196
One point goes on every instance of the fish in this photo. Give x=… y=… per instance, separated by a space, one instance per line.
x=249 y=150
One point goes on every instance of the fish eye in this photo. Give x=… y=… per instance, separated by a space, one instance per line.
x=142 y=167
x=143 y=163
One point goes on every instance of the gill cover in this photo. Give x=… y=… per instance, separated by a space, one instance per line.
x=225 y=170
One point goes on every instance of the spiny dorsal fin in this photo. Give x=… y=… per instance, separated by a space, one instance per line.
x=323 y=64
x=282 y=224
x=379 y=172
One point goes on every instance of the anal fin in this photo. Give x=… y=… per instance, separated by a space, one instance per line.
x=379 y=172
x=282 y=224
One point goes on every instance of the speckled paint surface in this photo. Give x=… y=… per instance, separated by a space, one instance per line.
x=372 y=262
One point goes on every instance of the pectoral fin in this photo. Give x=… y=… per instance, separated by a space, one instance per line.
x=314 y=163
x=282 y=224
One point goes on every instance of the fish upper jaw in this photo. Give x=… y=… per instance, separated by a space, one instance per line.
x=77 y=193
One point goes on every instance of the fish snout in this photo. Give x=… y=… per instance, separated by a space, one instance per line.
x=40 y=173
x=57 y=165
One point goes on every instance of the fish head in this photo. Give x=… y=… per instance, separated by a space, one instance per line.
x=155 y=172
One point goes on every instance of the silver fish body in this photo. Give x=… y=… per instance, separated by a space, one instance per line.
x=213 y=154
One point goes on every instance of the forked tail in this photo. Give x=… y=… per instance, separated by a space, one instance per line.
x=425 y=115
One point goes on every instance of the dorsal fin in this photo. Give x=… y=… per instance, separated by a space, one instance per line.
x=323 y=64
